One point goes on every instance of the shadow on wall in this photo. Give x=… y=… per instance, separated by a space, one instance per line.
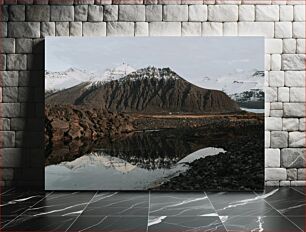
x=31 y=138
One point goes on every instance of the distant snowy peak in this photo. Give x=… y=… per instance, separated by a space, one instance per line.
x=118 y=72
x=55 y=81
x=112 y=75
x=237 y=82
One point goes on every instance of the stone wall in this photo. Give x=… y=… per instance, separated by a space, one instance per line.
x=24 y=24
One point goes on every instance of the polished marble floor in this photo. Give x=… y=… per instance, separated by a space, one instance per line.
x=275 y=210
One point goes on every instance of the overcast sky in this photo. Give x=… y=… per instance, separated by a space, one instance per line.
x=190 y=57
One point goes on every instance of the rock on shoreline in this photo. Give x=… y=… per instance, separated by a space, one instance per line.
x=65 y=123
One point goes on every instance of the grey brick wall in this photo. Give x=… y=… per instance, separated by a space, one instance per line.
x=24 y=24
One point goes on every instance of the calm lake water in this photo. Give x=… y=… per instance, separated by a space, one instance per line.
x=136 y=162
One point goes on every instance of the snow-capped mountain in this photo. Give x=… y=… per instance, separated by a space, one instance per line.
x=118 y=72
x=233 y=83
x=55 y=81
x=147 y=90
x=241 y=86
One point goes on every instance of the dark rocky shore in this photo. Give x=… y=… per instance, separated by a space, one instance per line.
x=241 y=167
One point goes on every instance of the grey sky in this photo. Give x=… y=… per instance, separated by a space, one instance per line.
x=191 y=57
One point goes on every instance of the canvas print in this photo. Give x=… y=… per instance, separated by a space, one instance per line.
x=154 y=113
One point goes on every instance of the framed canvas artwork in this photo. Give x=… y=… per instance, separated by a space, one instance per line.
x=154 y=113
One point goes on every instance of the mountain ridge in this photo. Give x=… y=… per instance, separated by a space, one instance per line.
x=147 y=90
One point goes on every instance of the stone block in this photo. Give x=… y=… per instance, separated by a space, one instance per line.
x=299 y=13
x=3 y=29
x=16 y=62
x=4 y=13
x=293 y=62
x=294 y=109
x=276 y=113
x=175 y=13
x=75 y=29
x=286 y=13
x=120 y=29
x=276 y=106
x=197 y=13
x=283 y=30
x=141 y=29
x=47 y=29
x=131 y=13
x=110 y=13
x=273 y=46
x=289 y=46
x=292 y=174
x=24 y=29
x=272 y=158
x=298 y=30
x=267 y=13
x=9 y=94
x=276 y=62
x=276 y=174
x=154 y=13
x=62 y=13
x=95 y=13
x=62 y=29
x=274 y=183
x=11 y=110
x=212 y=29
x=290 y=124
x=246 y=13
x=8 y=45
x=279 y=139
x=273 y=123
x=80 y=13
x=17 y=13
x=276 y=78
x=9 y=78
x=256 y=29
x=24 y=45
x=296 y=139
x=300 y=47
x=295 y=78
x=301 y=174
x=230 y=29
x=270 y=94
x=165 y=29
x=284 y=183
x=297 y=183
x=222 y=13
x=293 y=158
x=38 y=13
x=191 y=29
x=94 y=29
x=297 y=94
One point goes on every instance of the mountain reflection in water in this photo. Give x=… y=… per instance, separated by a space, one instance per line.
x=135 y=162
x=98 y=170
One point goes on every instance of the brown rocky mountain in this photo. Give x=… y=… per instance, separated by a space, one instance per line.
x=148 y=90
